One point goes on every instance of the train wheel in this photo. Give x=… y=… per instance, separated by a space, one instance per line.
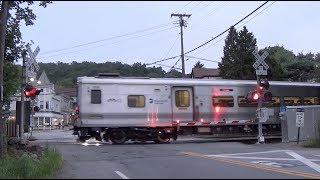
x=118 y=136
x=162 y=138
x=82 y=139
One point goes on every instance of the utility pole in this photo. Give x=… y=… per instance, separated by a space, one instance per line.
x=3 y=25
x=182 y=24
x=24 y=82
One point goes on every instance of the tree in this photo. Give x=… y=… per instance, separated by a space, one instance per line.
x=229 y=51
x=12 y=13
x=198 y=65
x=278 y=59
x=246 y=44
x=238 y=58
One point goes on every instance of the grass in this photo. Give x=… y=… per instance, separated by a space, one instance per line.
x=312 y=143
x=26 y=167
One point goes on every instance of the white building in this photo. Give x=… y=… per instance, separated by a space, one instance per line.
x=54 y=109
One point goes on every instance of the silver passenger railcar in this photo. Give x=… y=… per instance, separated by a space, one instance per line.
x=122 y=108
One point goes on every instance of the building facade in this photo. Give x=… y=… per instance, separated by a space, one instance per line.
x=54 y=108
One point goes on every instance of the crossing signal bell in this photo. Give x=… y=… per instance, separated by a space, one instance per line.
x=31 y=92
x=264 y=87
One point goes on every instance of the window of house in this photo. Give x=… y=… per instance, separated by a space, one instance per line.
x=182 y=98
x=223 y=101
x=47 y=104
x=96 y=96
x=136 y=101
x=47 y=120
x=41 y=105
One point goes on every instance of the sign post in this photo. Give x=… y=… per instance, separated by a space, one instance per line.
x=299 y=121
x=30 y=67
x=261 y=68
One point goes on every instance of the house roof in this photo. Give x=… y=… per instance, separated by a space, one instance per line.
x=204 y=72
x=71 y=92
x=44 y=78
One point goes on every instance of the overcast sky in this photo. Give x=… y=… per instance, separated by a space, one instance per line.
x=143 y=31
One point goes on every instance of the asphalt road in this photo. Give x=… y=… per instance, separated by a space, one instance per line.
x=186 y=160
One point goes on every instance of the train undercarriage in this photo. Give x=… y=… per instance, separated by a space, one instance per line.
x=120 y=135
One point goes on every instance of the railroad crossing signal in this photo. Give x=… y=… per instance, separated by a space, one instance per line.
x=260 y=70
x=31 y=64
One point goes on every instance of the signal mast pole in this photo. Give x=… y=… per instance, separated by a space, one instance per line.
x=24 y=81
x=182 y=24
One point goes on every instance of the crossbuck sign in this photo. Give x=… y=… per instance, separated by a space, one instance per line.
x=260 y=65
x=31 y=63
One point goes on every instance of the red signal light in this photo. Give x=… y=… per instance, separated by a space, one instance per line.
x=30 y=91
x=267 y=96
x=256 y=96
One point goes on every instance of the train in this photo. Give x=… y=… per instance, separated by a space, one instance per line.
x=118 y=109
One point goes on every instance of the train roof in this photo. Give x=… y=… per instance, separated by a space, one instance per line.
x=182 y=81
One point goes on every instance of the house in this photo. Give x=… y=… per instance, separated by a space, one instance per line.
x=208 y=73
x=54 y=108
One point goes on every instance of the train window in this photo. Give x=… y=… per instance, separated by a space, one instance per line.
x=244 y=103
x=222 y=101
x=136 y=101
x=182 y=98
x=292 y=101
x=310 y=101
x=274 y=103
x=96 y=96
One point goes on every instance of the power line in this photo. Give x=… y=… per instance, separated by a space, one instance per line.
x=114 y=37
x=171 y=47
x=195 y=6
x=108 y=43
x=203 y=59
x=227 y=29
x=214 y=37
x=185 y=5
x=258 y=14
x=203 y=7
x=236 y=28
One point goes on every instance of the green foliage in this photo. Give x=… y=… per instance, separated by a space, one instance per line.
x=278 y=60
x=198 y=65
x=238 y=58
x=19 y=11
x=313 y=143
x=26 y=167
x=68 y=73
x=11 y=78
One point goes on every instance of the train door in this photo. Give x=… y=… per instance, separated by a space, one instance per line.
x=182 y=104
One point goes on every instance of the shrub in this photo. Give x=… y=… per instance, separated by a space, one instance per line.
x=27 y=167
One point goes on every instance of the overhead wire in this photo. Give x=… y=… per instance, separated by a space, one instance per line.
x=236 y=28
x=108 y=43
x=227 y=29
x=107 y=39
x=215 y=36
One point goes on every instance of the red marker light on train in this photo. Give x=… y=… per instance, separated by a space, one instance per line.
x=217 y=109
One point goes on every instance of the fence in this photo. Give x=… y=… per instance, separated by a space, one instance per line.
x=12 y=130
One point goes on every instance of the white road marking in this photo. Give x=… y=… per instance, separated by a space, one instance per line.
x=305 y=161
x=272 y=164
x=250 y=153
x=121 y=175
x=262 y=158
